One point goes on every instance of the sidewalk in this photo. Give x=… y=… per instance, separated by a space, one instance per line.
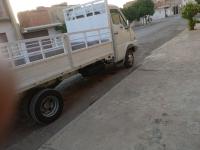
x=156 y=108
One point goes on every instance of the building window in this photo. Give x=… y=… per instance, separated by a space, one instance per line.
x=3 y=38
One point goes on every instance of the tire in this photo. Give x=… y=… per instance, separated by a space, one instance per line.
x=129 y=59
x=46 y=106
x=25 y=103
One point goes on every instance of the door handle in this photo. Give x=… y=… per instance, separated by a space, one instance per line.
x=116 y=33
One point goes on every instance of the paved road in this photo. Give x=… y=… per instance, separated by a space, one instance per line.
x=155 y=35
x=155 y=108
x=80 y=93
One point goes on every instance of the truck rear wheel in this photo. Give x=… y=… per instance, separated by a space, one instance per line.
x=46 y=106
x=129 y=59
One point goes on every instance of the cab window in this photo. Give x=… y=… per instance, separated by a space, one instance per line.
x=117 y=17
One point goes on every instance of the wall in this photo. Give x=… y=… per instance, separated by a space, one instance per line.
x=6 y=27
x=42 y=16
x=5 y=23
x=160 y=13
x=8 y=22
x=34 y=18
x=170 y=12
x=56 y=13
x=3 y=12
x=52 y=31
x=184 y=2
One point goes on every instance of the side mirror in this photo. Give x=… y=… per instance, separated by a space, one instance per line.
x=128 y=23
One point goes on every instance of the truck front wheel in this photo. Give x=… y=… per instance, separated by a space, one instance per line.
x=46 y=106
x=129 y=59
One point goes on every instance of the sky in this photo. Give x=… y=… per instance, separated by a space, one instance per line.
x=21 y=5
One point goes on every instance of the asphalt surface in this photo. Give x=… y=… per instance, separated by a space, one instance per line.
x=80 y=93
x=156 y=107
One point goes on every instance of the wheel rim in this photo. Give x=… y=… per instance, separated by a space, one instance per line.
x=49 y=106
x=130 y=59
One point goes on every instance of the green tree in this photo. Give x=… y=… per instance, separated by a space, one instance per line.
x=62 y=29
x=189 y=11
x=132 y=13
x=146 y=8
x=139 y=9
x=198 y=1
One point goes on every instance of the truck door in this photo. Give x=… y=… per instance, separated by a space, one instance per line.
x=121 y=33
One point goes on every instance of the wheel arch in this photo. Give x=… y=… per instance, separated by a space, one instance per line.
x=130 y=46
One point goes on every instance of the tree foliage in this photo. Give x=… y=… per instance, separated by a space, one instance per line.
x=189 y=11
x=198 y=1
x=139 y=9
x=145 y=7
x=62 y=29
x=132 y=13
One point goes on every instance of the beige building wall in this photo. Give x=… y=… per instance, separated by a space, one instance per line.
x=9 y=29
x=42 y=21
x=42 y=16
x=56 y=12
x=170 y=3
x=3 y=10
x=33 y=18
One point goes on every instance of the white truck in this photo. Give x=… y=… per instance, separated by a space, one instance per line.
x=96 y=33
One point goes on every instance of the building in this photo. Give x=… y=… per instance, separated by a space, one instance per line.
x=36 y=23
x=9 y=29
x=56 y=12
x=184 y=2
x=41 y=21
x=33 y=18
x=166 y=8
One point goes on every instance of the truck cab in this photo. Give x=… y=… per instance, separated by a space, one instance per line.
x=123 y=35
x=98 y=14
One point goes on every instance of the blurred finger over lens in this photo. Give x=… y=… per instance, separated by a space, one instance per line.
x=7 y=98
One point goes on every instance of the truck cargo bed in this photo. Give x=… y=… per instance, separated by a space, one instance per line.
x=40 y=60
x=89 y=39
